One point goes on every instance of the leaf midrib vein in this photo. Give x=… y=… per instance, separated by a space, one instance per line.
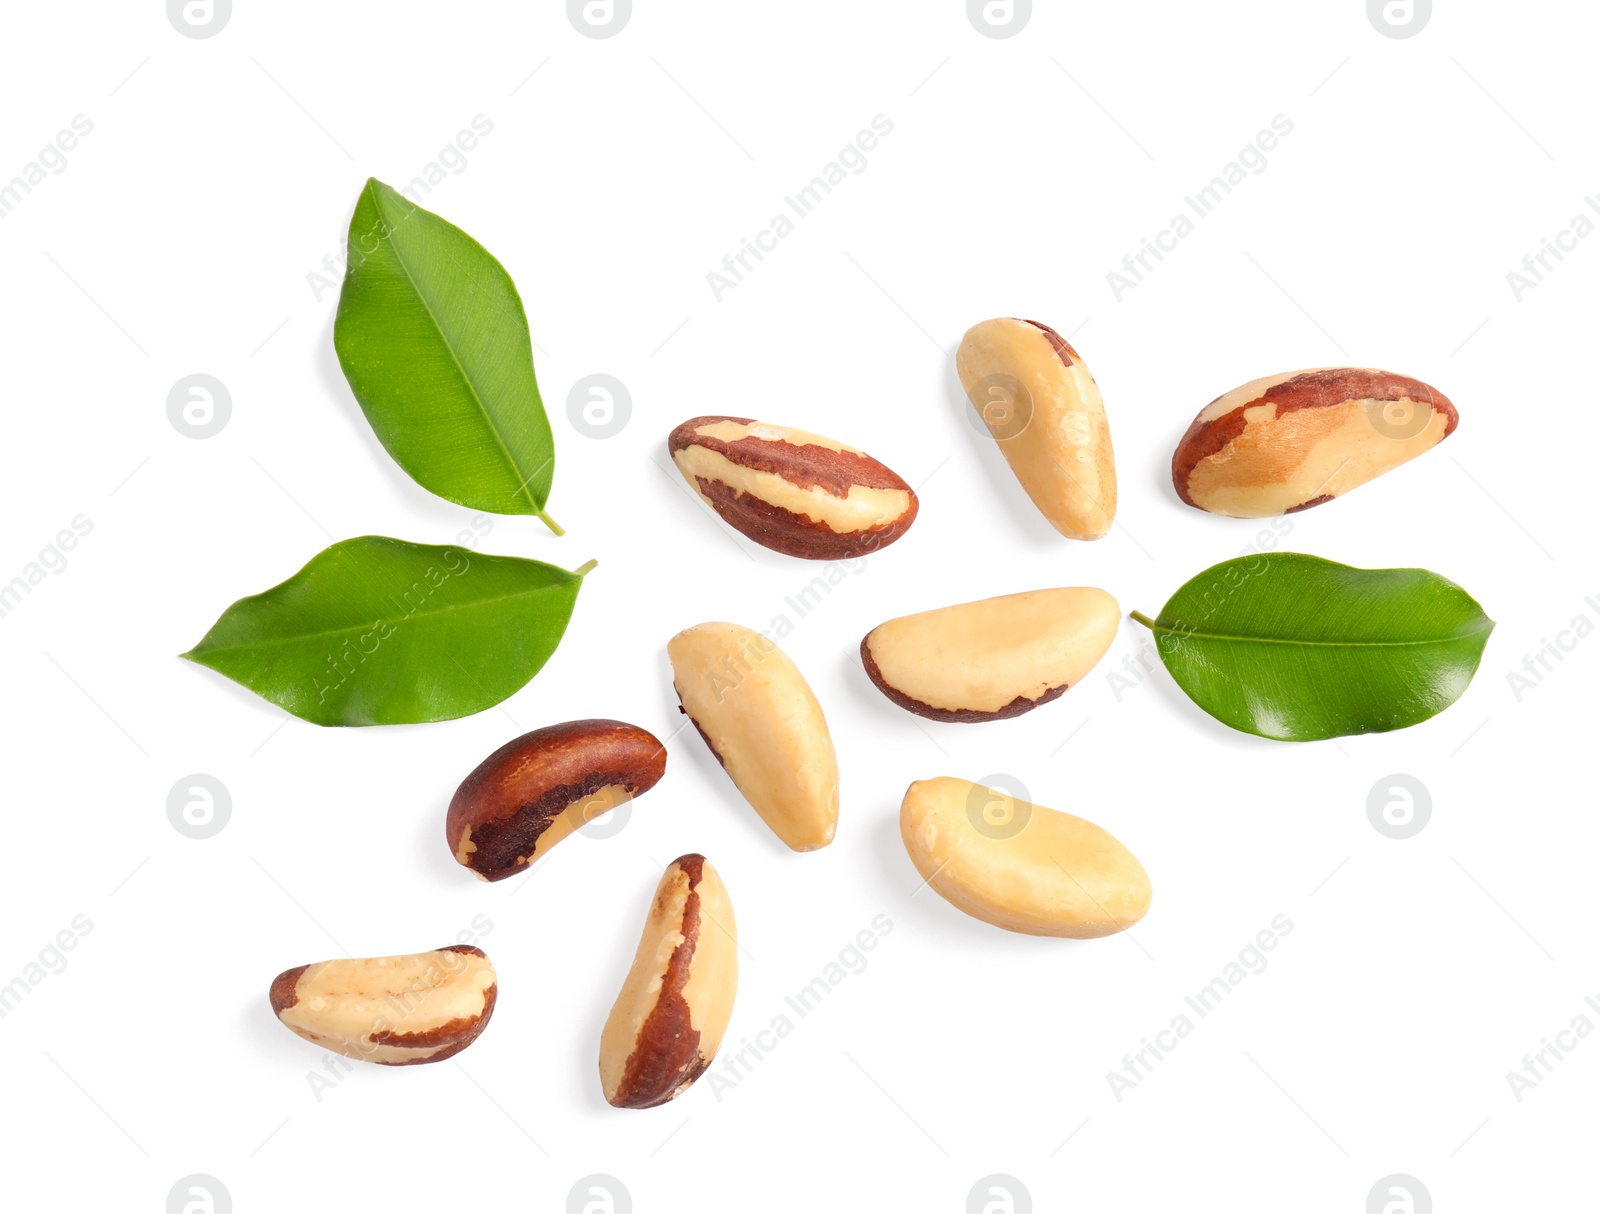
x=1257 y=640
x=522 y=489
x=297 y=637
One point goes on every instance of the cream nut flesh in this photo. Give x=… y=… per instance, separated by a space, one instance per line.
x=994 y=658
x=1043 y=408
x=395 y=1011
x=793 y=491
x=757 y=714
x=674 y=1007
x=1289 y=442
x=1020 y=866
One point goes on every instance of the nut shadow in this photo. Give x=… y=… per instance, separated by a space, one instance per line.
x=270 y=715
x=434 y=844
x=611 y=962
x=922 y=906
x=1160 y=471
x=1165 y=687
x=1024 y=516
x=684 y=739
x=265 y=1037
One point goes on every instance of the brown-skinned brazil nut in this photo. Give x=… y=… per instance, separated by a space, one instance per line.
x=537 y=789
x=1289 y=442
x=793 y=491
x=395 y=1011
x=674 y=1007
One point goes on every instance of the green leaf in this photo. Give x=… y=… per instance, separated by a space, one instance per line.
x=375 y=631
x=1298 y=648
x=433 y=339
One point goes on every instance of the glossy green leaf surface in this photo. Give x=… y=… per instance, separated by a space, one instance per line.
x=375 y=631
x=434 y=342
x=1297 y=648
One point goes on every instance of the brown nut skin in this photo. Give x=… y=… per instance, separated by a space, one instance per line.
x=1037 y=399
x=674 y=1007
x=795 y=492
x=1288 y=442
x=537 y=789
x=992 y=659
x=393 y=1011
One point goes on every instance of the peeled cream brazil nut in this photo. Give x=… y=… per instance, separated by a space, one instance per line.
x=1020 y=866
x=537 y=789
x=1289 y=442
x=1043 y=408
x=395 y=1011
x=757 y=714
x=994 y=658
x=793 y=491
x=668 y=1020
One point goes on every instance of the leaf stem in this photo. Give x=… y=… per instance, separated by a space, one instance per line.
x=585 y=568
x=551 y=523
x=1143 y=619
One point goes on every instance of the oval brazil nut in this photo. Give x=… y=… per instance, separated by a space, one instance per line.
x=1020 y=866
x=793 y=491
x=1289 y=442
x=668 y=1021
x=1043 y=408
x=395 y=1011
x=994 y=658
x=537 y=789
x=757 y=714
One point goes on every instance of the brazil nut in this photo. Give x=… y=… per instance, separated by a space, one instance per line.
x=1289 y=442
x=793 y=491
x=537 y=789
x=394 y=1011
x=670 y=1016
x=1043 y=408
x=994 y=658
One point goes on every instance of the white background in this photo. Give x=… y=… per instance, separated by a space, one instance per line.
x=179 y=239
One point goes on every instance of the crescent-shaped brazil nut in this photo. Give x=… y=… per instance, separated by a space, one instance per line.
x=790 y=490
x=1289 y=442
x=1037 y=398
x=994 y=658
x=759 y=717
x=395 y=1011
x=537 y=789
x=669 y=1019
x=1020 y=866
